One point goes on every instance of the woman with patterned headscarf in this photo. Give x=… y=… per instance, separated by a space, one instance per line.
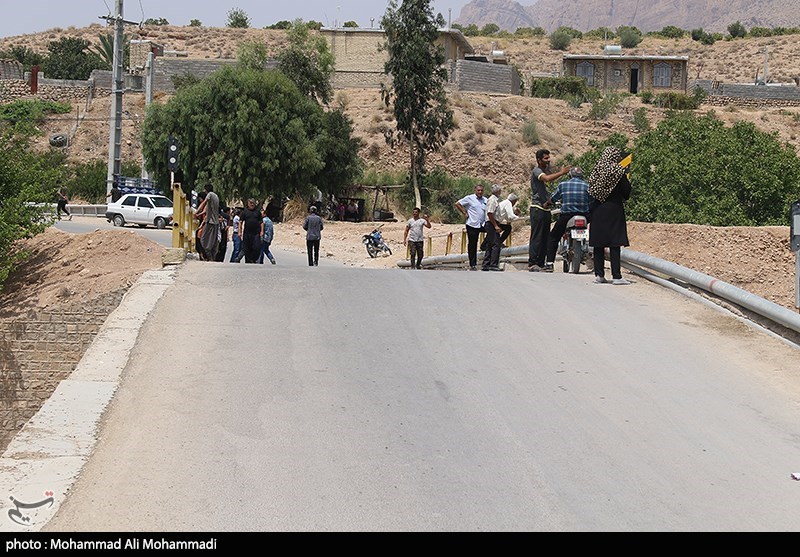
x=610 y=187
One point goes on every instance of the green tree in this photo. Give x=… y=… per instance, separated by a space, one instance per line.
x=339 y=149
x=160 y=21
x=282 y=24
x=737 y=30
x=601 y=33
x=69 y=58
x=314 y=25
x=105 y=50
x=25 y=178
x=308 y=61
x=490 y=29
x=471 y=30
x=238 y=18
x=195 y=23
x=629 y=37
x=417 y=96
x=672 y=32
x=529 y=32
x=24 y=55
x=350 y=25
x=252 y=54
x=251 y=133
x=572 y=32
x=560 y=40
x=760 y=32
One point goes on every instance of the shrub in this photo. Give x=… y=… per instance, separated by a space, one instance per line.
x=23 y=116
x=562 y=88
x=602 y=108
x=238 y=18
x=672 y=32
x=160 y=21
x=491 y=114
x=195 y=23
x=640 y=120
x=530 y=134
x=629 y=37
x=560 y=40
x=646 y=96
x=737 y=30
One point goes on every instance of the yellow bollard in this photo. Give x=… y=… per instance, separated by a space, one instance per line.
x=430 y=246
x=449 y=245
x=463 y=242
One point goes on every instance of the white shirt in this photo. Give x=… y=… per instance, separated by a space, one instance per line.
x=491 y=206
x=476 y=210
x=505 y=213
x=415 y=232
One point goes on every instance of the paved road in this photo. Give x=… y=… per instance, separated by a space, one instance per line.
x=287 y=398
x=85 y=225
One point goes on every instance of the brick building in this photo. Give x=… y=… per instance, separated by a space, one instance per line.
x=627 y=73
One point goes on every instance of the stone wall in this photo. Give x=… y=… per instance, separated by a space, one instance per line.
x=50 y=90
x=747 y=95
x=38 y=352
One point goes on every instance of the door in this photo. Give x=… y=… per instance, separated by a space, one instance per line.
x=128 y=208
x=144 y=211
x=634 y=80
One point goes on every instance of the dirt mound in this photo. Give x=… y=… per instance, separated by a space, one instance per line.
x=65 y=269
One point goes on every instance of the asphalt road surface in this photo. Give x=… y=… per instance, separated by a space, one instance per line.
x=85 y=225
x=336 y=399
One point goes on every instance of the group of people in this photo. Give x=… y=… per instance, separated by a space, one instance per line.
x=252 y=229
x=600 y=199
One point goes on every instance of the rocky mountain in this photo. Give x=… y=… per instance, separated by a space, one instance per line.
x=647 y=15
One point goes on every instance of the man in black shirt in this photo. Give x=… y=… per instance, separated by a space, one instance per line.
x=250 y=232
x=540 y=217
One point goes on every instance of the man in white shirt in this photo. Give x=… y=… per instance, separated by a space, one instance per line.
x=491 y=258
x=473 y=207
x=414 y=237
x=506 y=214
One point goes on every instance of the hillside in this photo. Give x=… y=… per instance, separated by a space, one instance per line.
x=647 y=15
x=487 y=142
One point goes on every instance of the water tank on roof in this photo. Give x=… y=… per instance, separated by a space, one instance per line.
x=498 y=54
x=612 y=49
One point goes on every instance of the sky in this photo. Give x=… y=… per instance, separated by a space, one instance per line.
x=20 y=17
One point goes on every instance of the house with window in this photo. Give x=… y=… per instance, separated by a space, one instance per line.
x=629 y=73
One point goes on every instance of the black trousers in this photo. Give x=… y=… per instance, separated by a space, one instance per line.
x=223 y=246
x=251 y=246
x=540 y=231
x=491 y=258
x=417 y=252
x=472 y=245
x=506 y=233
x=62 y=206
x=555 y=234
x=313 y=252
x=600 y=261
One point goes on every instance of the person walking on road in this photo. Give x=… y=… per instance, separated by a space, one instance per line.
x=473 y=208
x=267 y=235
x=61 y=206
x=610 y=187
x=313 y=226
x=414 y=237
x=250 y=232
x=491 y=257
x=540 y=217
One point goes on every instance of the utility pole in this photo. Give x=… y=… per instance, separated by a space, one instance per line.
x=148 y=100
x=117 y=89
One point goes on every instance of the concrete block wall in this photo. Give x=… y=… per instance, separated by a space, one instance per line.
x=38 y=352
x=746 y=95
x=10 y=69
x=485 y=78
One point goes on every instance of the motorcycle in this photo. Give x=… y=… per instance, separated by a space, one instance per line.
x=375 y=243
x=574 y=245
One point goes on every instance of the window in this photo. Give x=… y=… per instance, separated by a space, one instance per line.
x=145 y=203
x=129 y=201
x=662 y=75
x=586 y=71
x=161 y=201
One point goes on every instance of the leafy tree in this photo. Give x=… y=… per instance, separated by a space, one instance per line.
x=629 y=37
x=601 y=33
x=672 y=32
x=490 y=29
x=282 y=24
x=105 y=50
x=195 y=23
x=185 y=80
x=339 y=149
x=573 y=33
x=252 y=54
x=314 y=25
x=737 y=30
x=156 y=21
x=24 y=55
x=417 y=95
x=69 y=58
x=25 y=178
x=238 y=18
x=529 y=32
x=251 y=133
x=695 y=169
x=308 y=61
x=560 y=40
x=760 y=32
x=471 y=30
x=350 y=25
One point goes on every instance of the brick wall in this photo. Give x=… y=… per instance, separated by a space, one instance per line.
x=10 y=69
x=38 y=352
x=486 y=78
x=357 y=51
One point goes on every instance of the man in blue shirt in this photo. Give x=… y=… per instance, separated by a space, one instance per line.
x=574 y=197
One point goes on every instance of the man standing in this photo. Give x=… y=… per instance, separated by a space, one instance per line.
x=414 y=237
x=313 y=226
x=62 y=203
x=473 y=207
x=540 y=217
x=491 y=258
x=250 y=232
x=574 y=196
x=236 y=256
x=506 y=214
x=115 y=194
x=209 y=210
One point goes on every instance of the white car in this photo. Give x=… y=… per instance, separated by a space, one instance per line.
x=141 y=209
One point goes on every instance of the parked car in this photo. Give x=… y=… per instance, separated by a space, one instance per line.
x=141 y=209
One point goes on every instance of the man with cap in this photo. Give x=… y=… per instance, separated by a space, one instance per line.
x=574 y=197
x=491 y=258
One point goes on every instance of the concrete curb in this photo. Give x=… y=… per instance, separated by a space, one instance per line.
x=44 y=459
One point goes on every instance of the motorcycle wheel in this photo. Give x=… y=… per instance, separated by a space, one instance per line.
x=372 y=250
x=387 y=249
x=566 y=262
x=577 y=257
